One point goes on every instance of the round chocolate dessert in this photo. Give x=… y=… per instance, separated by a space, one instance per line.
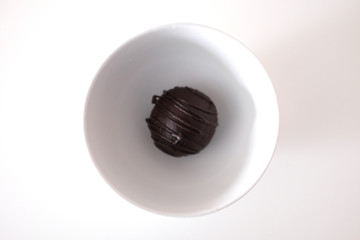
x=183 y=121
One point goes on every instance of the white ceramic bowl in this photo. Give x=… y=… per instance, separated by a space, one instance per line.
x=119 y=100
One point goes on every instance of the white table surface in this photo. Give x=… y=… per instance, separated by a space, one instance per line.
x=51 y=50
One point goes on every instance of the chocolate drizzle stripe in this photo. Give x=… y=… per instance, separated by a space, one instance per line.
x=184 y=145
x=176 y=120
x=158 y=137
x=190 y=116
x=169 y=132
x=181 y=148
x=162 y=116
x=201 y=95
x=193 y=106
x=153 y=122
x=182 y=107
x=157 y=129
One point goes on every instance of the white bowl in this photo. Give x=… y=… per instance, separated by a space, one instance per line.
x=119 y=100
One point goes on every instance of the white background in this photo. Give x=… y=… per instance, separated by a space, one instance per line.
x=50 y=52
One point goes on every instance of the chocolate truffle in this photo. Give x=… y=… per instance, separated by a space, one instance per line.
x=183 y=121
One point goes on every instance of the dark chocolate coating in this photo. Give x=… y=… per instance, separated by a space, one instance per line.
x=183 y=121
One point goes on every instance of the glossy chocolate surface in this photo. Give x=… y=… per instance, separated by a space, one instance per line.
x=183 y=121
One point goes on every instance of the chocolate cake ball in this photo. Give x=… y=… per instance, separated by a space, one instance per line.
x=183 y=121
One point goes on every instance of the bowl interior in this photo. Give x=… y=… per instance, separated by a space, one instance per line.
x=119 y=101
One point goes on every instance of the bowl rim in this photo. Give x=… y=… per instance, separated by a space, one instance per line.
x=134 y=203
